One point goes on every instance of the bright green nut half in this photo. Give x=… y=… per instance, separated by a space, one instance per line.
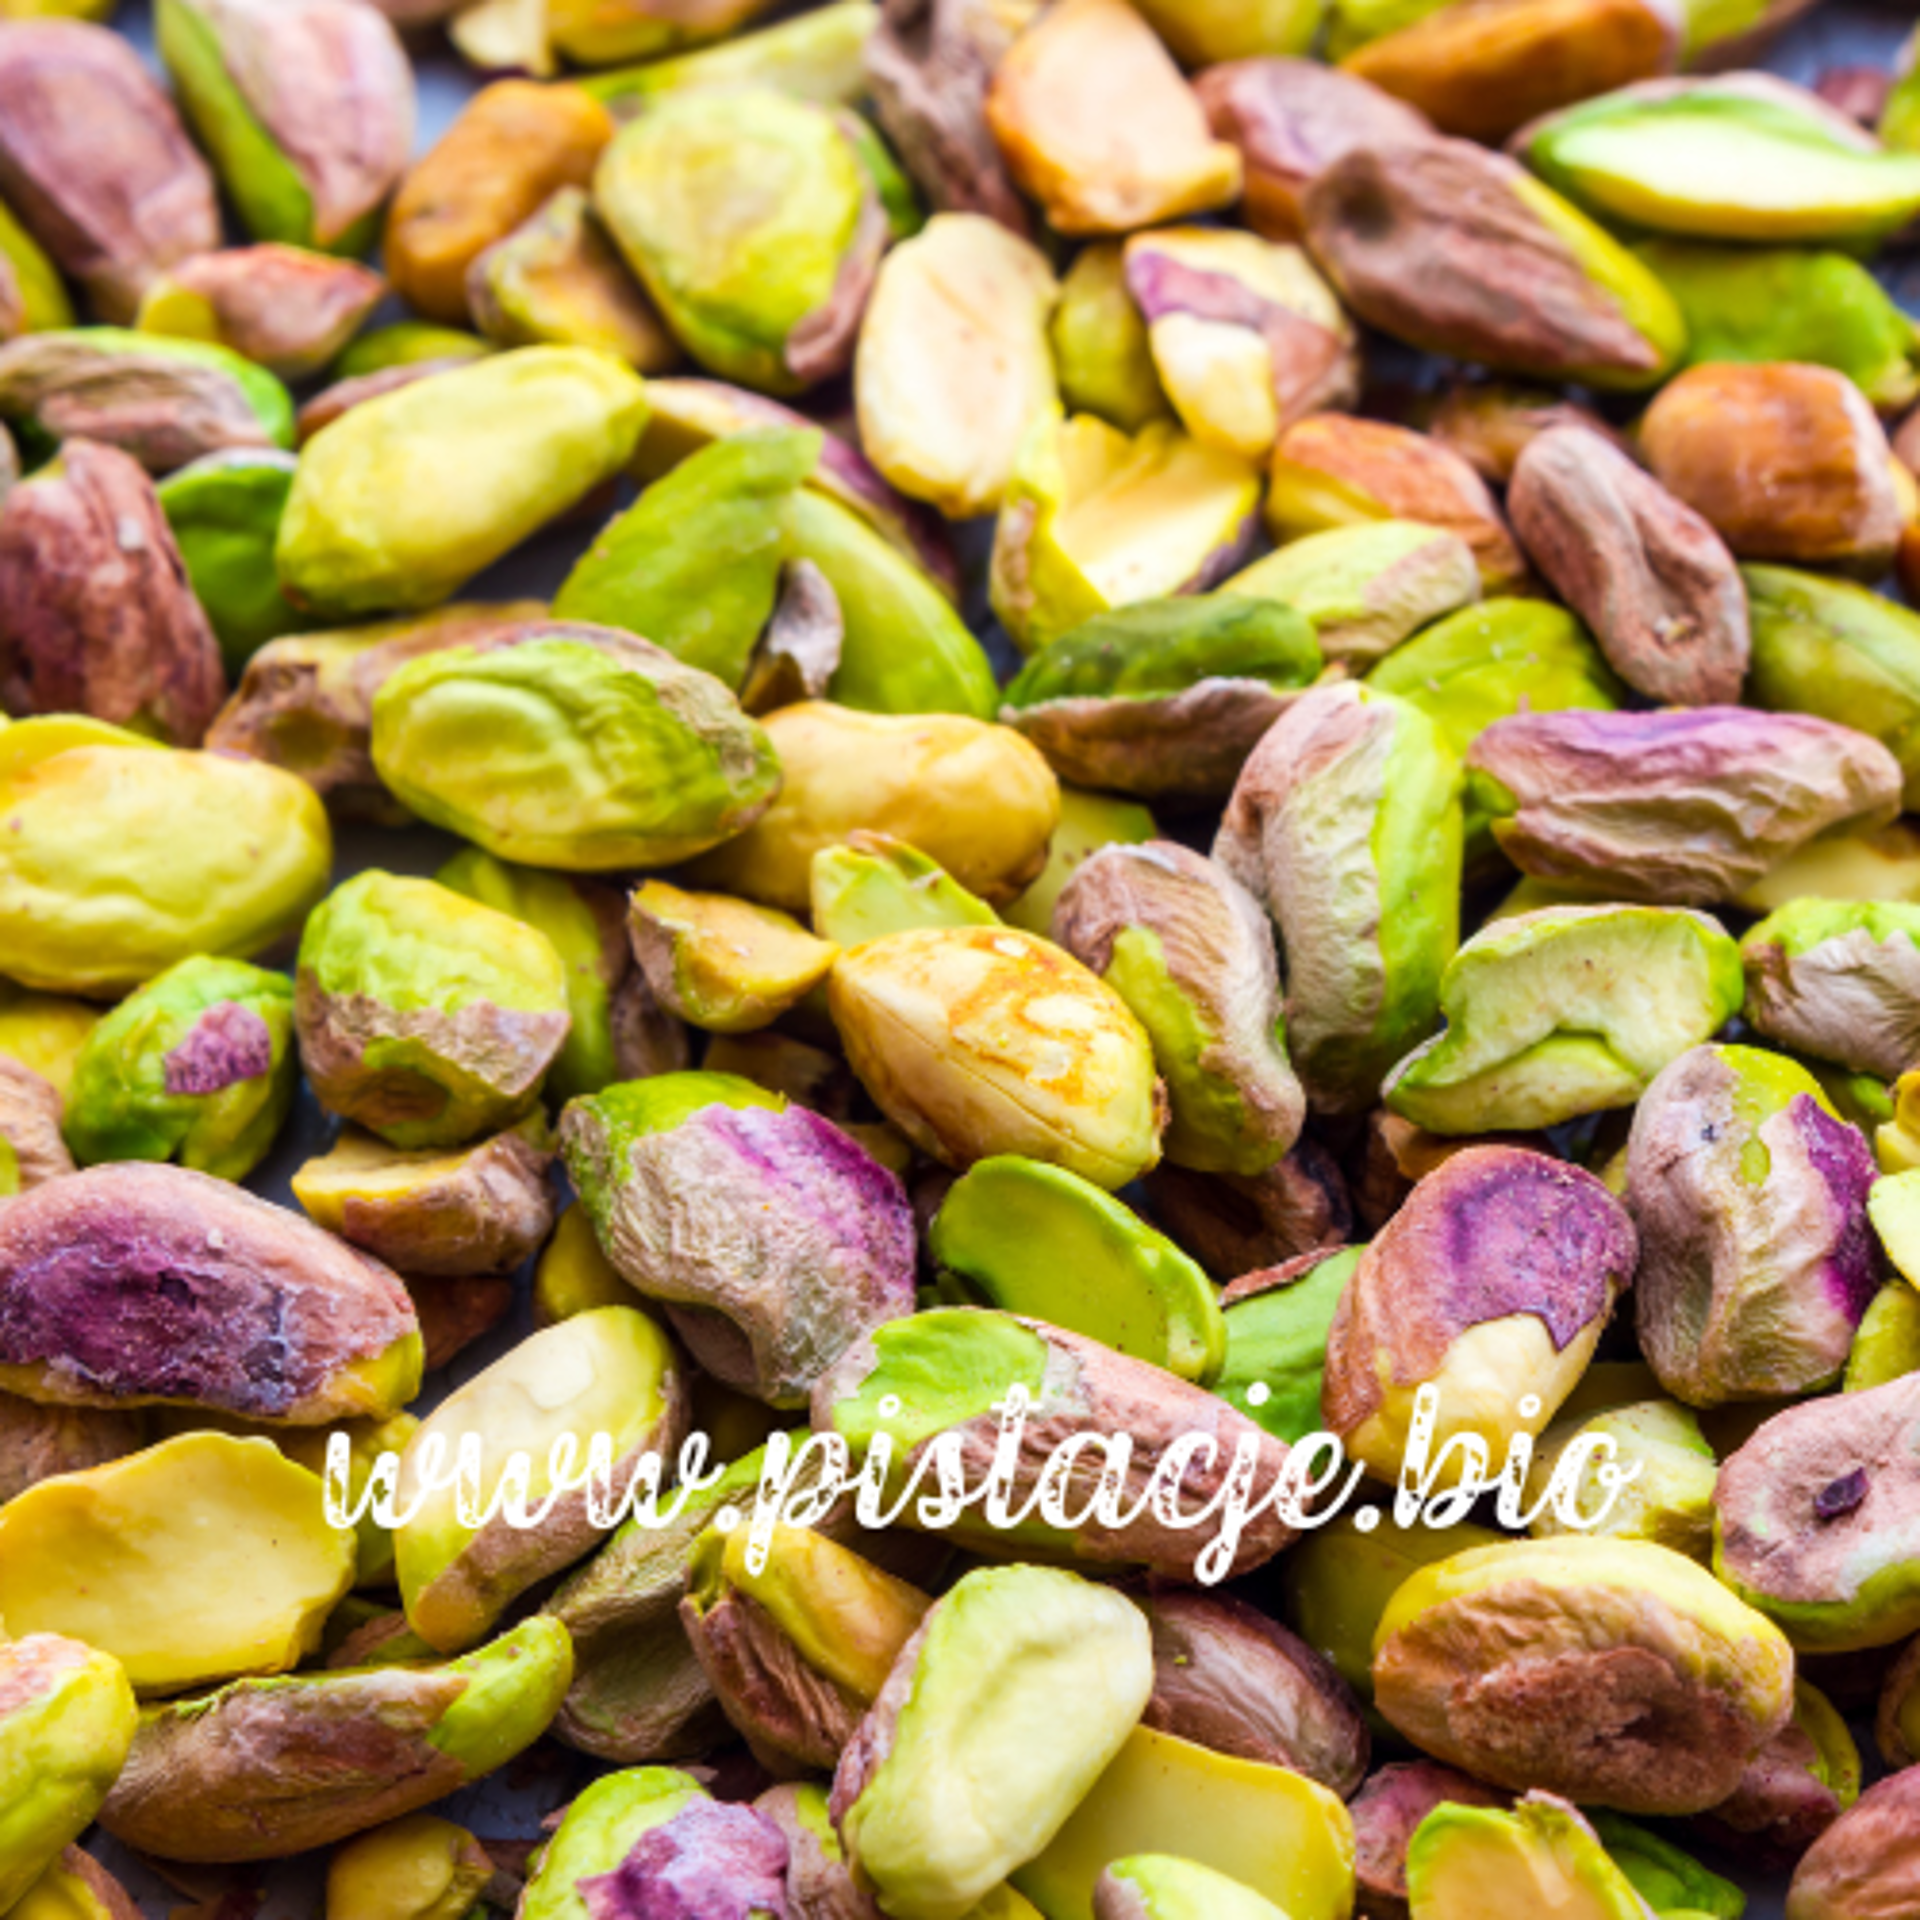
x=40 y=292
x=225 y=509
x=599 y=1830
x=407 y=496
x=576 y=747
x=1366 y=588
x=875 y=885
x=1100 y=346
x=1480 y=1863
x=1789 y=303
x=1670 y=1501
x=583 y=920
x=1158 y=1886
x=1740 y=157
x=66 y=1719
x=1841 y=652
x=1023 y=1684
x=694 y=564
x=1886 y=1344
x=819 y=55
x=1277 y=1341
x=741 y=211
x=1666 y=1877
x=1088 y=822
x=1488 y=662
x=424 y=1016
x=405 y=343
x=1565 y=1011
x=1040 y=1241
x=196 y=1066
x=124 y=857
x=1839 y=980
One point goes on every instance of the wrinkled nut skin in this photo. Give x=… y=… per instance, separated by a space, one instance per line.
x=1233 y=1224
x=1838 y=981
x=1817 y=1518
x=1190 y=951
x=929 y=63
x=1095 y=122
x=1291 y=120
x=211 y=1298
x=305 y=701
x=820 y=1884
x=1333 y=469
x=96 y=615
x=1385 y=1813
x=1225 y=1676
x=95 y=162
x=1756 y=1256
x=514 y=144
x=282 y=307
x=1491 y=423
x=1486 y=67
x=1495 y=1245
x=37 y=1442
x=1683 y=808
x=769 y=1295
x=1453 y=249
x=1782 y=1804
x=1866 y=1866
x=1614 y=1671
x=1646 y=573
x=1785 y=461
x=31 y=1149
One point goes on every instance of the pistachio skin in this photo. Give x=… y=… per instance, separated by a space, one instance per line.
x=1865 y=1863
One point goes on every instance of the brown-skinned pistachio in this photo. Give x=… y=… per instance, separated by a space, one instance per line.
x=947 y=1371
x=1756 y=1257
x=1387 y=1810
x=797 y=1650
x=1896 y=1721
x=1094 y=120
x=1646 y=573
x=1685 y=807
x=1794 y=1788
x=31 y=1149
x=1785 y=461
x=1227 y=1677
x=1484 y=68
x=513 y=145
x=1337 y=470
x=306 y=107
x=1818 y=1514
x=1292 y=119
x=218 y=1300
x=768 y=1297
x=286 y=308
x=1490 y=423
x=1189 y=950
x=96 y=615
x=1245 y=335
x=1345 y=825
x=820 y=1884
x=305 y=702
x=1234 y=1223
x=1866 y=1866
x=1460 y=251
x=95 y=163
x=1839 y=980
x=929 y=63
x=1493 y=1284
x=1612 y=1671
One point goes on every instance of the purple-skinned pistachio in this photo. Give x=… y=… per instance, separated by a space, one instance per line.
x=1756 y=1256
x=135 y=1285
x=96 y=613
x=1386 y=1812
x=95 y=163
x=767 y=1295
x=1684 y=808
x=1794 y=1788
x=1492 y=1284
x=712 y=1860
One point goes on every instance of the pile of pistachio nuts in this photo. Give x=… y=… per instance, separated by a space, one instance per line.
x=1423 y=953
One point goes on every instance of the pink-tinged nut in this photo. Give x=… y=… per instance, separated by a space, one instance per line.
x=1786 y=461
x=1685 y=808
x=712 y=1856
x=137 y=1284
x=820 y=1884
x=1866 y=1866
x=96 y=614
x=1385 y=1813
x=94 y=161
x=1232 y=1224
x=1291 y=120
x=1227 y=1677
x=31 y=1149
x=1492 y=1284
x=929 y=63
x=1783 y=1803
x=1651 y=578
x=456 y=1310
x=284 y=308
x=1490 y=423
